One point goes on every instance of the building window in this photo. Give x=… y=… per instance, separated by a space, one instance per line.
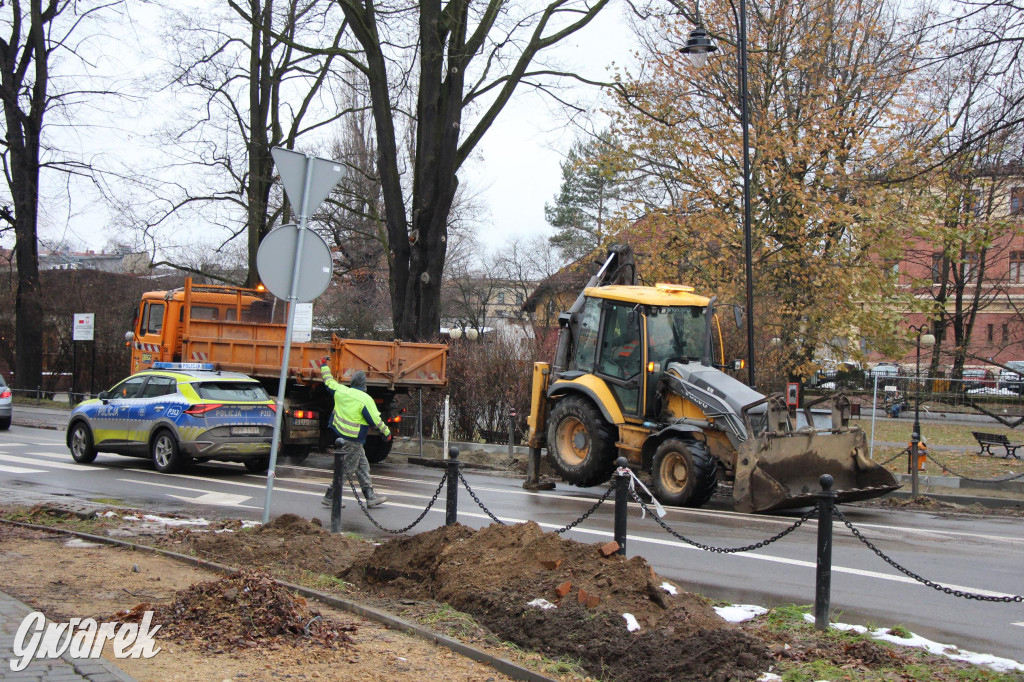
x=1006 y=333
x=970 y=266
x=977 y=205
x=937 y=262
x=501 y=297
x=891 y=265
x=990 y=333
x=519 y=298
x=1016 y=200
x=1017 y=267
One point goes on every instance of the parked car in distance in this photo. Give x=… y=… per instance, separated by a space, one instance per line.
x=1012 y=378
x=175 y=413
x=975 y=378
x=6 y=398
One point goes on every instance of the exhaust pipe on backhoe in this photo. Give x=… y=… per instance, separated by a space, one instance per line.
x=779 y=468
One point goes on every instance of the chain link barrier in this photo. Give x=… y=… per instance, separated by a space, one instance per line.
x=945 y=467
x=910 y=574
x=723 y=550
x=904 y=453
x=366 y=511
x=586 y=514
x=476 y=499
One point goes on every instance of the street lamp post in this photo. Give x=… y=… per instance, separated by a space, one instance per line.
x=927 y=340
x=697 y=48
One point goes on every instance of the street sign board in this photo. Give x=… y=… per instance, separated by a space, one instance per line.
x=293 y=166
x=276 y=262
x=302 y=329
x=84 y=326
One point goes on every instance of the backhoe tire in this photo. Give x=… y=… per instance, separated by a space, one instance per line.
x=683 y=473
x=581 y=444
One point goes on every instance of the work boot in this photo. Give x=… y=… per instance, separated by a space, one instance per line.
x=375 y=500
x=328 y=496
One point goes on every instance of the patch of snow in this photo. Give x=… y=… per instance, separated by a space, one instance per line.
x=251 y=524
x=740 y=613
x=671 y=589
x=130 y=517
x=80 y=543
x=631 y=623
x=109 y=514
x=153 y=518
x=996 y=663
x=541 y=604
x=769 y=677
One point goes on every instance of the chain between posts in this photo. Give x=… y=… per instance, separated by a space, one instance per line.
x=975 y=480
x=587 y=513
x=476 y=499
x=924 y=581
x=723 y=550
x=419 y=518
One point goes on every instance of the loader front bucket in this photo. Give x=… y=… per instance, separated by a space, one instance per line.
x=781 y=471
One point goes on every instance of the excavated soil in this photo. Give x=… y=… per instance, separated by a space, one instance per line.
x=493 y=574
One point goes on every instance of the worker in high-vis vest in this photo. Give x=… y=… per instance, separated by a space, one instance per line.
x=354 y=412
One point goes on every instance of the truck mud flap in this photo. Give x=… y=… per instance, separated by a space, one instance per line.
x=782 y=471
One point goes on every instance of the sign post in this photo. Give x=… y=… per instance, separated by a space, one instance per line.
x=83 y=328
x=295 y=264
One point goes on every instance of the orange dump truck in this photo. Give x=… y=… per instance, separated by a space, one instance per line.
x=243 y=330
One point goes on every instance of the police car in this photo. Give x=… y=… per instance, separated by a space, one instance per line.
x=175 y=413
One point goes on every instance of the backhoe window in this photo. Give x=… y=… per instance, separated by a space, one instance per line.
x=621 y=351
x=675 y=333
x=586 y=336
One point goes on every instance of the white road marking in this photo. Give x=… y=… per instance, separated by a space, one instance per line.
x=216 y=499
x=48 y=463
x=196 y=500
x=19 y=470
x=1020 y=625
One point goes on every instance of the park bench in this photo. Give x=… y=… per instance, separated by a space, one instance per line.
x=987 y=440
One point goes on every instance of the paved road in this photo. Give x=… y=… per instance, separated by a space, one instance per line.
x=972 y=554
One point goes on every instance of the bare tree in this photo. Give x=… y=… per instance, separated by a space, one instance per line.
x=37 y=34
x=248 y=90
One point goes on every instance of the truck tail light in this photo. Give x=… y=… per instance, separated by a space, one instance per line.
x=395 y=420
x=197 y=410
x=305 y=414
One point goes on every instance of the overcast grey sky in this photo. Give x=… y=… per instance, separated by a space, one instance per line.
x=515 y=171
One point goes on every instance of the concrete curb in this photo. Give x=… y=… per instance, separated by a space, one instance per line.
x=502 y=665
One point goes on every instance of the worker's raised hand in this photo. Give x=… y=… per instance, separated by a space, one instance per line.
x=324 y=361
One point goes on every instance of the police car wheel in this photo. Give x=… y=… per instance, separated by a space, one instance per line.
x=167 y=456
x=257 y=466
x=80 y=442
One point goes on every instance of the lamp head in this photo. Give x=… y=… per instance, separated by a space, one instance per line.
x=455 y=333
x=927 y=340
x=698 y=46
x=472 y=334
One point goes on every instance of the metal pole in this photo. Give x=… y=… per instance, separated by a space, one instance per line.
x=915 y=437
x=419 y=421
x=337 y=484
x=287 y=349
x=92 y=368
x=621 y=500
x=823 y=583
x=451 y=507
x=74 y=370
x=874 y=411
x=511 y=432
x=747 y=247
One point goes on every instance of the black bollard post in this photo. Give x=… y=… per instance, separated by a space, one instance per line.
x=621 y=500
x=451 y=507
x=337 y=484
x=823 y=584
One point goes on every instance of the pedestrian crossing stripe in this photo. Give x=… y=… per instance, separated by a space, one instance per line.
x=19 y=470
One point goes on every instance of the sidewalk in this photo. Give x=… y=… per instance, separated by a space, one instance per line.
x=64 y=669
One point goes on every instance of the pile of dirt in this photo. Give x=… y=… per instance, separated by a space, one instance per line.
x=288 y=542
x=495 y=573
x=247 y=609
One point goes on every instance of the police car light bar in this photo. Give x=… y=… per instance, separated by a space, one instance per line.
x=208 y=366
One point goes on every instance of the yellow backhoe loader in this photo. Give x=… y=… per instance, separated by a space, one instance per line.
x=634 y=375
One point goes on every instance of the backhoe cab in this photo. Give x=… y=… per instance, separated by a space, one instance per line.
x=637 y=373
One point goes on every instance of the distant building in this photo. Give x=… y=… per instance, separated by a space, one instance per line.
x=123 y=262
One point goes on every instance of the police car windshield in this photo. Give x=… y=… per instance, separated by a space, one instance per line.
x=231 y=390
x=675 y=333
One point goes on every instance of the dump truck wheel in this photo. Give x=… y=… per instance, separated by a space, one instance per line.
x=683 y=474
x=376 y=448
x=581 y=443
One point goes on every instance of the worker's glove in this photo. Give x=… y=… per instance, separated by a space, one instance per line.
x=324 y=361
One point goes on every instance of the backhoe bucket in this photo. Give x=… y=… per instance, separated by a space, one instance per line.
x=781 y=470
